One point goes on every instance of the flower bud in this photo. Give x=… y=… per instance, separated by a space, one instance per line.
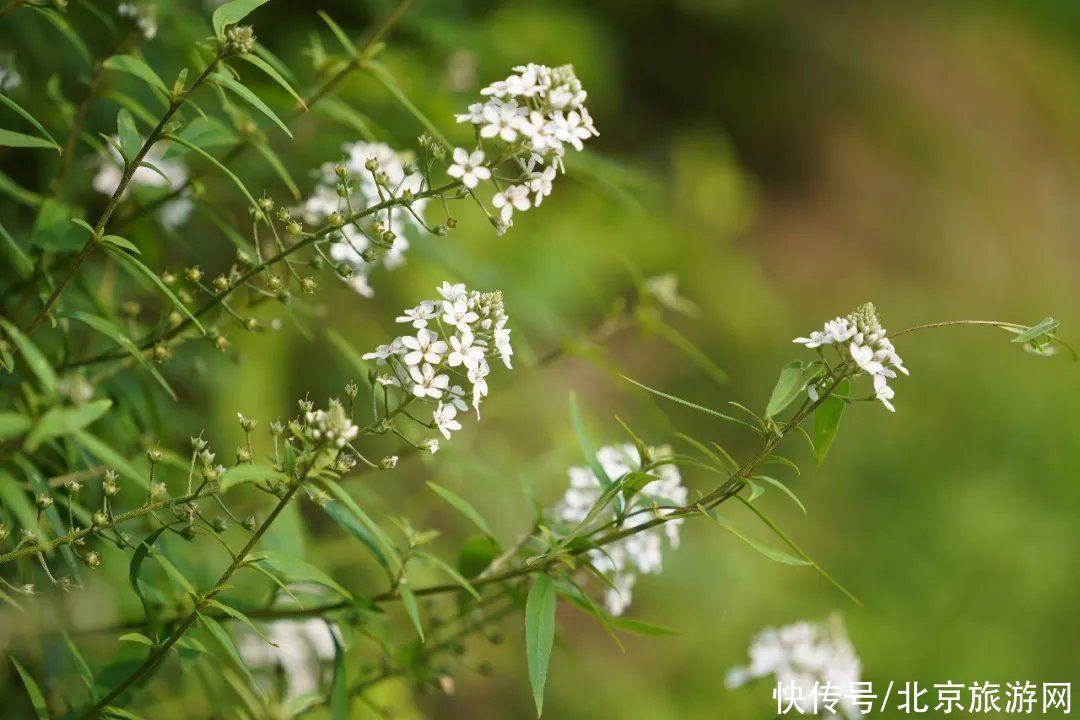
x=341 y=171
x=388 y=463
x=193 y=274
x=336 y=220
x=188 y=533
x=248 y=424
x=27 y=589
x=154 y=455
x=294 y=227
x=251 y=324
x=240 y=39
x=388 y=237
x=110 y=487
x=168 y=278
x=276 y=428
x=175 y=318
x=27 y=537
x=368 y=255
x=451 y=222
x=72 y=485
x=372 y=164
x=243 y=454
x=221 y=283
x=344 y=270
x=183 y=296
x=308 y=285
x=43 y=501
x=250 y=523
x=221 y=343
x=92 y=559
x=274 y=283
x=220 y=525
x=266 y=204
x=99 y=520
x=158 y=490
x=284 y=215
x=161 y=353
x=351 y=390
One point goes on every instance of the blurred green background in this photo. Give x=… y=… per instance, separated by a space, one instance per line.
x=787 y=161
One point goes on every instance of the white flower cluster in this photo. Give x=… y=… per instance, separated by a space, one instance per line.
x=801 y=656
x=455 y=337
x=641 y=552
x=145 y=17
x=173 y=173
x=332 y=425
x=302 y=649
x=363 y=192
x=536 y=112
x=868 y=346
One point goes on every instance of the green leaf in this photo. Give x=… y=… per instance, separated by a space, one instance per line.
x=131 y=141
x=278 y=167
x=586 y=445
x=462 y=506
x=476 y=554
x=408 y=600
x=225 y=641
x=782 y=488
x=251 y=98
x=174 y=574
x=16 y=257
x=16 y=501
x=695 y=406
x=346 y=44
x=62 y=420
x=114 y=333
x=793 y=379
x=539 y=635
x=231 y=13
x=35 y=360
x=122 y=243
x=770 y=552
x=30 y=119
x=274 y=75
x=136 y=267
x=454 y=574
x=827 y=419
x=10 y=138
x=341 y=112
x=60 y=23
x=214 y=161
x=339 y=684
x=296 y=570
x=348 y=522
x=206 y=132
x=136 y=638
x=640 y=627
x=387 y=80
x=12 y=425
x=53 y=229
x=108 y=456
x=799 y=551
x=80 y=664
x=245 y=473
x=37 y=700
x=18 y=193
x=1044 y=326
x=136 y=66
x=237 y=615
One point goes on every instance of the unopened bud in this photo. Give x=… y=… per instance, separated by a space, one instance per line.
x=294 y=227
x=266 y=204
x=221 y=343
x=43 y=501
x=372 y=164
x=154 y=455
x=284 y=215
x=92 y=559
x=168 y=278
x=336 y=220
x=161 y=353
x=220 y=525
x=193 y=274
x=344 y=270
x=388 y=463
x=110 y=487
x=308 y=285
x=274 y=283
x=99 y=519
x=243 y=454
x=175 y=318
x=250 y=523
x=240 y=39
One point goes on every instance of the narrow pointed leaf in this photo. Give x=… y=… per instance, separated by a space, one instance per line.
x=539 y=635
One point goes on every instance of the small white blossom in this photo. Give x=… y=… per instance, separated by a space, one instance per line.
x=641 y=552
x=332 y=425
x=431 y=445
x=469 y=167
x=802 y=656
x=515 y=197
x=443 y=418
x=427 y=382
x=867 y=345
x=425 y=347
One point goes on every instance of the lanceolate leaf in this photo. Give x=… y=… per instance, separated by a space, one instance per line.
x=37 y=700
x=114 y=333
x=792 y=381
x=408 y=600
x=231 y=13
x=63 y=420
x=827 y=419
x=214 y=161
x=136 y=66
x=30 y=119
x=539 y=635
x=461 y=505
x=274 y=75
x=251 y=98
x=695 y=406
x=245 y=473
x=33 y=357
x=770 y=552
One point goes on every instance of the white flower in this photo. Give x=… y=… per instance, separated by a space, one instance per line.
x=540 y=184
x=469 y=167
x=867 y=345
x=300 y=648
x=332 y=425
x=478 y=377
x=641 y=552
x=502 y=345
x=425 y=347
x=452 y=293
x=443 y=417
x=883 y=392
x=427 y=383
x=474 y=116
x=801 y=658
x=420 y=314
x=458 y=314
x=501 y=120
x=380 y=354
x=515 y=197
x=464 y=350
x=430 y=444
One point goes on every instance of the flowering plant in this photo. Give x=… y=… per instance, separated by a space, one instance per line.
x=110 y=322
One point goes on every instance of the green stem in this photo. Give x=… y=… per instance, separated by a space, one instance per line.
x=110 y=206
